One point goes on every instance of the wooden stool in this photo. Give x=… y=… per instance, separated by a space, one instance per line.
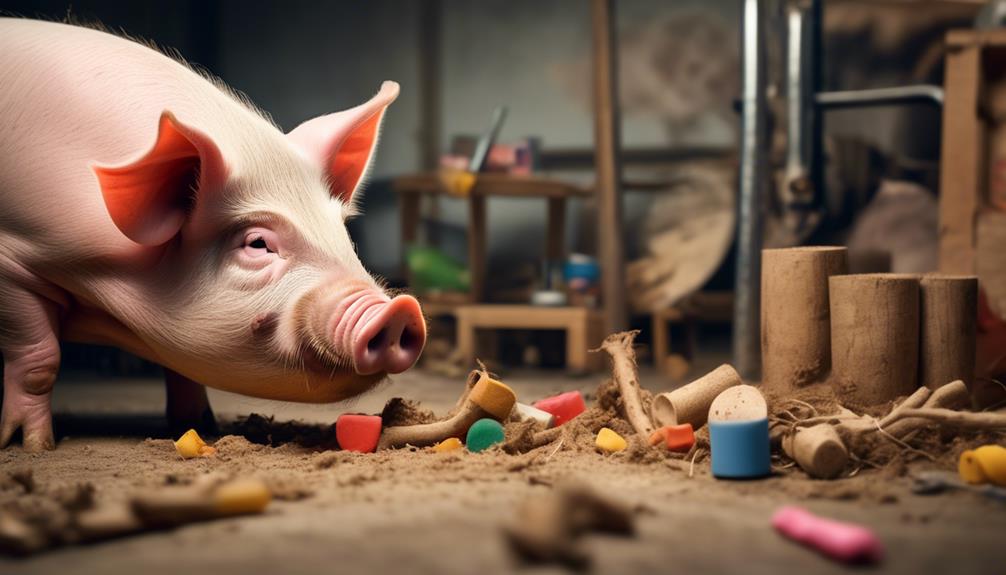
x=701 y=306
x=583 y=328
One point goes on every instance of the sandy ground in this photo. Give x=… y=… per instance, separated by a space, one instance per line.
x=420 y=512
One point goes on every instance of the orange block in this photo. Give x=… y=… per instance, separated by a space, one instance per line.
x=674 y=437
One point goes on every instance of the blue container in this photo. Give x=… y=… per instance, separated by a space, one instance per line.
x=740 y=449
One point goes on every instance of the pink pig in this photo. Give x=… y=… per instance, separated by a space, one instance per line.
x=145 y=206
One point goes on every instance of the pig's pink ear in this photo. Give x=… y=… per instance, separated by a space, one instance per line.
x=149 y=198
x=343 y=142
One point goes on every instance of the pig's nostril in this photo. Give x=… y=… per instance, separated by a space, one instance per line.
x=409 y=340
x=377 y=342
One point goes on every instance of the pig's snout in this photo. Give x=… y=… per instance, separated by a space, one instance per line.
x=377 y=333
x=389 y=337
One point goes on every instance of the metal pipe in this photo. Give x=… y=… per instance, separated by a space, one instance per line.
x=923 y=93
x=746 y=334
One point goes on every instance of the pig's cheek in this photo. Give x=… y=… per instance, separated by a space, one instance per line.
x=251 y=280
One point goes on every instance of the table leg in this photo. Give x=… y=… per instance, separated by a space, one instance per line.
x=661 y=340
x=576 y=345
x=555 y=243
x=465 y=336
x=477 y=247
x=410 y=207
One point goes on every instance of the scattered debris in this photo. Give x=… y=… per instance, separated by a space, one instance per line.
x=190 y=445
x=60 y=519
x=609 y=442
x=690 y=404
x=674 y=437
x=986 y=464
x=547 y=528
x=623 y=371
x=845 y=542
x=487 y=399
x=449 y=444
x=483 y=434
x=357 y=432
x=933 y=482
x=738 y=434
x=563 y=407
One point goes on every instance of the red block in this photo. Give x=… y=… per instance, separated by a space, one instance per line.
x=679 y=437
x=675 y=437
x=563 y=407
x=357 y=432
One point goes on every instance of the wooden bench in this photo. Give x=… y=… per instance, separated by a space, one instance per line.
x=583 y=327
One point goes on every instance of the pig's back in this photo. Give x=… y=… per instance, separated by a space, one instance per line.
x=71 y=97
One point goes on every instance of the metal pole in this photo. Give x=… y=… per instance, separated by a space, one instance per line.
x=800 y=184
x=918 y=94
x=747 y=331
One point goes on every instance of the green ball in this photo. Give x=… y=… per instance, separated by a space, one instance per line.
x=483 y=434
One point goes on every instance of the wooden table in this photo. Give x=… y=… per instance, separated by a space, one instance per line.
x=584 y=329
x=411 y=189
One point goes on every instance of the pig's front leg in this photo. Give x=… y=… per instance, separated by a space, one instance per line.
x=30 y=351
x=187 y=405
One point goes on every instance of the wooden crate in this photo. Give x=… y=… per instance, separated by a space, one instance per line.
x=971 y=229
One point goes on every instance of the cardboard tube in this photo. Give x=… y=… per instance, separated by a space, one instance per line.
x=874 y=336
x=690 y=404
x=795 y=328
x=948 y=329
x=818 y=450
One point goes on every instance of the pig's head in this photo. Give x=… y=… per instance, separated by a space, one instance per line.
x=251 y=283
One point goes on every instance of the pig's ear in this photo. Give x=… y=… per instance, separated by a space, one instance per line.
x=343 y=143
x=149 y=198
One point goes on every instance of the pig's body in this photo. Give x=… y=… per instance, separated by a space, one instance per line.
x=73 y=100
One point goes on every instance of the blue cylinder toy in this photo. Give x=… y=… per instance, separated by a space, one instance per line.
x=740 y=449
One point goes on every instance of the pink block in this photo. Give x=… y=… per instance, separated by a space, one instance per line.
x=358 y=432
x=563 y=407
x=846 y=542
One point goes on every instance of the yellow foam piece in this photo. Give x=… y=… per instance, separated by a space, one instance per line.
x=449 y=444
x=986 y=464
x=241 y=496
x=494 y=397
x=609 y=441
x=190 y=445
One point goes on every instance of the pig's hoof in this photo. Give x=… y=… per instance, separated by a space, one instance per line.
x=205 y=424
x=34 y=439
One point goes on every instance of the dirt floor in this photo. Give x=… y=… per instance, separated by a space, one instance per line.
x=422 y=512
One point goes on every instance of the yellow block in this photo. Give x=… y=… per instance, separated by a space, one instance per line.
x=986 y=464
x=241 y=496
x=609 y=441
x=494 y=397
x=190 y=445
x=449 y=444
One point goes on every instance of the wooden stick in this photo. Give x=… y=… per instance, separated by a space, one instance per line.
x=917 y=399
x=795 y=324
x=488 y=398
x=874 y=336
x=949 y=326
x=953 y=395
x=965 y=419
x=623 y=370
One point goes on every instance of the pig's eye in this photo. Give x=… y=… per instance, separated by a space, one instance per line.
x=257 y=245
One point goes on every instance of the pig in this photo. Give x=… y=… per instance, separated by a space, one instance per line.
x=146 y=206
